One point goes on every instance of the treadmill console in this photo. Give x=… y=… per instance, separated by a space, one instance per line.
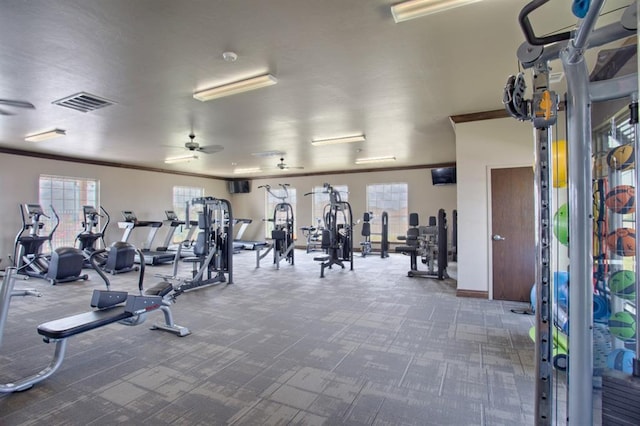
x=171 y=215
x=129 y=216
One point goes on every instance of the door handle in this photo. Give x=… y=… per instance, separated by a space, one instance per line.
x=498 y=237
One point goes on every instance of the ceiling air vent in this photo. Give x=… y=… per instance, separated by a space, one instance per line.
x=83 y=102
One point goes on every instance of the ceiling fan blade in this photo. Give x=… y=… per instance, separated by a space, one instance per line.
x=2 y=112
x=210 y=149
x=18 y=104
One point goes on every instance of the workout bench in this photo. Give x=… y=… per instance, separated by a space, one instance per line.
x=112 y=307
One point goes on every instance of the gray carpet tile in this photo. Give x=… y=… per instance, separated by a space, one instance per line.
x=280 y=347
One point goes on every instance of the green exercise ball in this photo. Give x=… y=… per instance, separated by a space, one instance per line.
x=561 y=224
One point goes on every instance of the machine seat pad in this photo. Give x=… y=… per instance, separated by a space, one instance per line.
x=321 y=258
x=161 y=289
x=406 y=249
x=76 y=324
x=193 y=259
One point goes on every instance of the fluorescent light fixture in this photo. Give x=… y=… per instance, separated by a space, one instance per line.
x=418 y=8
x=346 y=139
x=45 y=135
x=265 y=154
x=235 y=87
x=250 y=170
x=374 y=160
x=181 y=158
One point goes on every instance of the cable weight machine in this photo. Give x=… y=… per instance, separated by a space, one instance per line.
x=213 y=260
x=283 y=244
x=337 y=235
x=535 y=54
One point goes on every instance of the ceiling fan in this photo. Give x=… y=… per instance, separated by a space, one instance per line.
x=283 y=166
x=194 y=146
x=16 y=104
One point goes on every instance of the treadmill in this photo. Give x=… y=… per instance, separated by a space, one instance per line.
x=240 y=244
x=173 y=222
x=150 y=257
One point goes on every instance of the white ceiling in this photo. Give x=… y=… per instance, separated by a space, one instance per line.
x=343 y=67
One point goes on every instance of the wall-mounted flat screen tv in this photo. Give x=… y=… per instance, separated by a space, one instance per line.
x=443 y=176
x=239 y=186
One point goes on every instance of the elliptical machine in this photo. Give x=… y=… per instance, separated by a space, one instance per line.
x=63 y=265
x=119 y=258
x=87 y=239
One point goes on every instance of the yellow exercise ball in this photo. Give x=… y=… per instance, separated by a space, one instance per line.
x=559 y=151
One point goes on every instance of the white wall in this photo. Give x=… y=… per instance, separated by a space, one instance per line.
x=481 y=145
x=148 y=194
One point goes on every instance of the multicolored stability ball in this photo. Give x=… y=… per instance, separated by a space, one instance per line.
x=621 y=199
x=622 y=241
x=622 y=283
x=621 y=360
x=621 y=158
x=622 y=325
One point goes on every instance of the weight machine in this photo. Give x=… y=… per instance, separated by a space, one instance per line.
x=313 y=236
x=541 y=110
x=367 y=244
x=337 y=235
x=384 y=237
x=365 y=232
x=429 y=243
x=213 y=250
x=283 y=244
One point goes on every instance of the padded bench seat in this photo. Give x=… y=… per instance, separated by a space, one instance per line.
x=321 y=258
x=76 y=324
x=193 y=259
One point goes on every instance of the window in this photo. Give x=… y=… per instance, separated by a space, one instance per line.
x=393 y=199
x=270 y=205
x=67 y=195
x=321 y=199
x=181 y=196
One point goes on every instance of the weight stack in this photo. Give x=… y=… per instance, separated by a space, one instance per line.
x=620 y=399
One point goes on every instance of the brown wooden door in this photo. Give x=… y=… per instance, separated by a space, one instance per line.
x=513 y=237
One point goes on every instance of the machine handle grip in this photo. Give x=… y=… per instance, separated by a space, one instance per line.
x=527 y=29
